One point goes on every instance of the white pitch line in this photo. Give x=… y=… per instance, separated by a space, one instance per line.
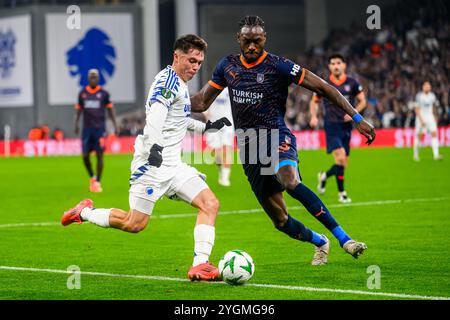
x=31 y=224
x=229 y=212
x=261 y=285
x=338 y=205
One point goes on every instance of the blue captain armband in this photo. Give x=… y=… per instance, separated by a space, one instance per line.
x=357 y=118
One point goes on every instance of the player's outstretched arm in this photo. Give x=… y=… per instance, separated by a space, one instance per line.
x=318 y=85
x=203 y=99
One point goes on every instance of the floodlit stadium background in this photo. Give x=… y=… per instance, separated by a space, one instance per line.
x=391 y=63
x=400 y=207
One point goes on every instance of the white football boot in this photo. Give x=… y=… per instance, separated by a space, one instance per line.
x=224 y=177
x=321 y=179
x=225 y=183
x=343 y=198
x=354 y=248
x=321 y=254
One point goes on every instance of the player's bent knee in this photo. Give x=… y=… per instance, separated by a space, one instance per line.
x=210 y=205
x=290 y=184
x=340 y=159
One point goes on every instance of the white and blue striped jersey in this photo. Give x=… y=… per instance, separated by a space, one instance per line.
x=171 y=91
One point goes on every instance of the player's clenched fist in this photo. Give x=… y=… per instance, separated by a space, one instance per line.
x=367 y=130
x=218 y=124
x=155 y=157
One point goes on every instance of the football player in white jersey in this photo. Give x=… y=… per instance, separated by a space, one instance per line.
x=222 y=142
x=425 y=120
x=157 y=169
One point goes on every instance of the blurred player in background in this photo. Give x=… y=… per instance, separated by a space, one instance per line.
x=337 y=124
x=426 y=121
x=222 y=142
x=157 y=169
x=92 y=102
x=258 y=84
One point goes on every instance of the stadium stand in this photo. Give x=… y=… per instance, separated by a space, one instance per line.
x=412 y=46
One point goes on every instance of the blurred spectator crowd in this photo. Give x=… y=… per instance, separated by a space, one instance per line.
x=132 y=125
x=412 y=46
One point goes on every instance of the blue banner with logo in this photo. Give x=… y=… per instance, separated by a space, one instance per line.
x=104 y=42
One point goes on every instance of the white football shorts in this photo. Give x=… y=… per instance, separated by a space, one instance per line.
x=148 y=184
x=430 y=125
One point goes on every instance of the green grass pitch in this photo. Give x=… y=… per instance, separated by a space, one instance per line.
x=400 y=209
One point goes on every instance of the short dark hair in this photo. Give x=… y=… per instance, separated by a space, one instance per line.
x=336 y=56
x=251 y=21
x=189 y=41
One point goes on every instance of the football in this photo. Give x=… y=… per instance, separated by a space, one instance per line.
x=236 y=267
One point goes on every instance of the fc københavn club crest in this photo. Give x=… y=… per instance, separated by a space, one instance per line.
x=94 y=51
x=260 y=77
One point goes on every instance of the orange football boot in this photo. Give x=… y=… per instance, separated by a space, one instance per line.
x=204 y=271
x=73 y=215
x=94 y=185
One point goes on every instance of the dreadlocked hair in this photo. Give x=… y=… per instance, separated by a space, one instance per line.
x=251 y=21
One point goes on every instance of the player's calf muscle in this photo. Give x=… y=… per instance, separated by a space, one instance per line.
x=126 y=221
x=133 y=227
x=208 y=206
x=278 y=217
x=276 y=211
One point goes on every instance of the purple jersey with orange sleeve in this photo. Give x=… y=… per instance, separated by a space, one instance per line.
x=349 y=88
x=93 y=102
x=258 y=91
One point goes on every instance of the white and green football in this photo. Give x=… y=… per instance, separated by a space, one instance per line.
x=236 y=267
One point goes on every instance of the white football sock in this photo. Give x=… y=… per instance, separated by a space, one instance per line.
x=416 y=146
x=96 y=216
x=225 y=173
x=435 y=147
x=204 y=240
